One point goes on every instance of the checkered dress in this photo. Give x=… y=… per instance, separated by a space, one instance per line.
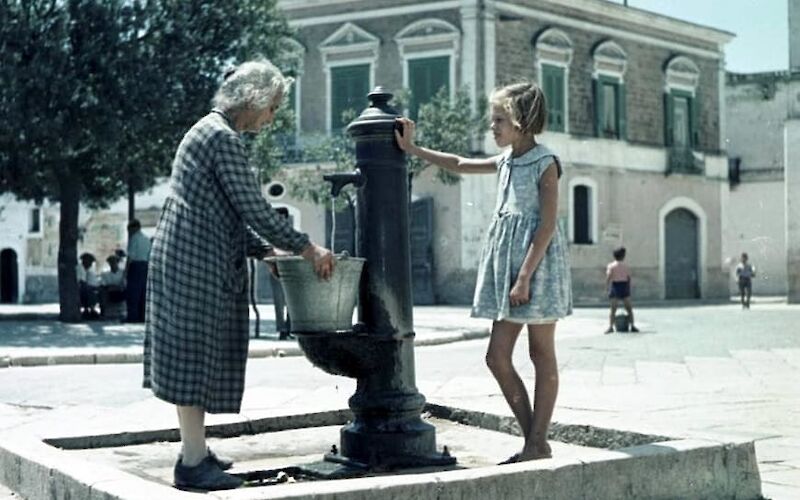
x=197 y=326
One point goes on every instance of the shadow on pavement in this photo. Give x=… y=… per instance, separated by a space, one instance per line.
x=21 y=334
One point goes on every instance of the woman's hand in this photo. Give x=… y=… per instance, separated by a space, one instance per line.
x=321 y=258
x=521 y=291
x=405 y=140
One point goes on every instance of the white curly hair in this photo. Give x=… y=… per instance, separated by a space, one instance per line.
x=251 y=84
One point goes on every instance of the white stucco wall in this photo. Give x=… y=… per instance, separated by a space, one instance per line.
x=767 y=103
x=13 y=233
x=755 y=210
x=755 y=224
x=792 y=159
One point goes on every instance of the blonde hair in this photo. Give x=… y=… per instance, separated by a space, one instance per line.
x=253 y=83
x=525 y=105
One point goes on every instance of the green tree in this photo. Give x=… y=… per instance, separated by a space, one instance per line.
x=96 y=94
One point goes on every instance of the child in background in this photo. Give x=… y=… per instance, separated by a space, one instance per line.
x=744 y=276
x=88 y=284
x=618 y=283
x=524 y=274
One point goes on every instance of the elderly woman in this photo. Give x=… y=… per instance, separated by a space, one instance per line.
x=197 y=324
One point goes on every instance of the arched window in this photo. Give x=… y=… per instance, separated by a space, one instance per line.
x=681 y=107
x=349 y=56
x=428 y=49
x=608 y=83
x=583 y=211
x=553 y=53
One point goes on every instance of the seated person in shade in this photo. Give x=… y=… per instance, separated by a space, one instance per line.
x=112 y=285
x=87 y=285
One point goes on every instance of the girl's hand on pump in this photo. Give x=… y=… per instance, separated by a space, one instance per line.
x=405 y=140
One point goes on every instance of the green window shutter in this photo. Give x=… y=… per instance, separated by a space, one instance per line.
x=668 y=119
x=597 y=91
x=622 y=118
x=694 y=120
x=349 y=89
x=553 y=88
x=426 y=77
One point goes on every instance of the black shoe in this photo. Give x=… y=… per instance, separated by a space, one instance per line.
x=205 y=476
x=610 y=330
x=511 y=460
x=223 y=463
x=634 y=329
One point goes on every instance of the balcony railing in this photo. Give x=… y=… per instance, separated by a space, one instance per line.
x=683 y=160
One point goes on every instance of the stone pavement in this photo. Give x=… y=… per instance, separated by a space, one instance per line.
x=701 y=371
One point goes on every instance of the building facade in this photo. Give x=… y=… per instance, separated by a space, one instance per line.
x=756 y=220
x=636 y=112
x=763 y=112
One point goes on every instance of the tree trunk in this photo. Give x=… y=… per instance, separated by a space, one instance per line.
x=68 y=295
x=131 y=201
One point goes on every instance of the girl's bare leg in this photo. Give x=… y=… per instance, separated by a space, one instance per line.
x=541 y=342
x=498 y=359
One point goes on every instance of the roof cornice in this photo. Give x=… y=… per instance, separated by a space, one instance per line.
x=647 y=19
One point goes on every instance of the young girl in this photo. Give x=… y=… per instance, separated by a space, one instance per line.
x=523 y=276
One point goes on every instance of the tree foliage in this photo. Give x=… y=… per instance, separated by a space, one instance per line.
x=448 y=125
x=335 y=151
x=104 y=90
x=96 y=94
x=444 y=124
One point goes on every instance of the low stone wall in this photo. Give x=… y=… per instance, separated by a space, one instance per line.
x=625 y=466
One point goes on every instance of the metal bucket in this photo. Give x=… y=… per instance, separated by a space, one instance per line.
x=316 y=305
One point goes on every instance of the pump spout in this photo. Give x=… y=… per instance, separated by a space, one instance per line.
x=341 y=179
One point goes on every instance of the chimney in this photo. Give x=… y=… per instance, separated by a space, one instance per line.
x=794 y=35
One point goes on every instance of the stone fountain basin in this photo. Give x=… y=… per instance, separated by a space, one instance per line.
x=590 y=462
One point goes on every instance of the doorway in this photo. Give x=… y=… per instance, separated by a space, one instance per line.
x=9 y=277
x=681 y=269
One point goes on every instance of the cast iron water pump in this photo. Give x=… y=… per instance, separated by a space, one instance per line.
x=387 y=430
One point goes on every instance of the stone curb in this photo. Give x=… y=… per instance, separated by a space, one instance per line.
x=118 y=357
x=691 y=468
